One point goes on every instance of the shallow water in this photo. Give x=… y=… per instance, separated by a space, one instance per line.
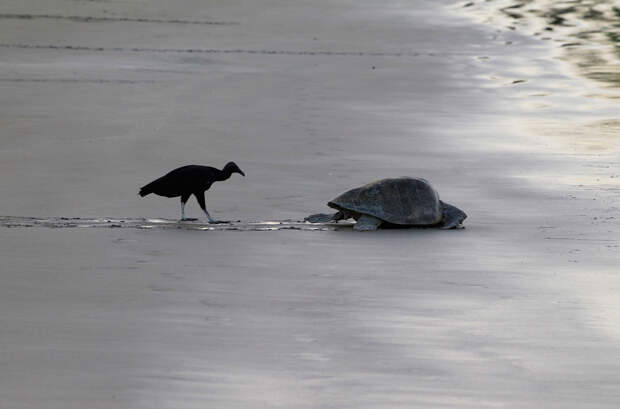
x=587 y=33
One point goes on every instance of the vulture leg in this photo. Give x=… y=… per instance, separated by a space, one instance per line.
x=184 y=199
x=200 y=196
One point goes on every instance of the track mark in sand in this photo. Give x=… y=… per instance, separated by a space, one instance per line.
x=63 y=47
x=581 y=239
x=145 y=223
x=95 y=19
x=77 y=80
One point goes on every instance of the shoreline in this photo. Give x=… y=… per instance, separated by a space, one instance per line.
x=582 y=35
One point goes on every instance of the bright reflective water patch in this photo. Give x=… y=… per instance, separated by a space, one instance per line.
x=146 y=223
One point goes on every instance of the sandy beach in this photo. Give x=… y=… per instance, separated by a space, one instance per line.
x=310 y=98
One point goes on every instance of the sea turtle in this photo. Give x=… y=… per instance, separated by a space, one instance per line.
x=402 y=201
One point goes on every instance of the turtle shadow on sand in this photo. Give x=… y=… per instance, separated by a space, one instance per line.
x=398 y=202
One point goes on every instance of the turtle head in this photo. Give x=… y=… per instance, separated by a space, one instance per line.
x=452 y=216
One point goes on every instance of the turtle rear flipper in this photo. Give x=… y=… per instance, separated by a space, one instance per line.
x=367 y=223
x=452 y=216
x=324 y=217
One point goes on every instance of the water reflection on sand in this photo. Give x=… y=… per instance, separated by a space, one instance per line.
x=151 y=223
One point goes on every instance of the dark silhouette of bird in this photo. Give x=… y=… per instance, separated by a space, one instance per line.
x=190 y=180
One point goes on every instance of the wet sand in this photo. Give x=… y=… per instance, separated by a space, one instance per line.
x=519 y=309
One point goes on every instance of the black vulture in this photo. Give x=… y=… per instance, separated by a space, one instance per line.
x=190 y=180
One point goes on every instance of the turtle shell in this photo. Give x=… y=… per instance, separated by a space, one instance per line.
x=403 y=200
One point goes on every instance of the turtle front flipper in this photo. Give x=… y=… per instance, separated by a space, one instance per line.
x=367 y=223
x=324 y=217
x=452 y=216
